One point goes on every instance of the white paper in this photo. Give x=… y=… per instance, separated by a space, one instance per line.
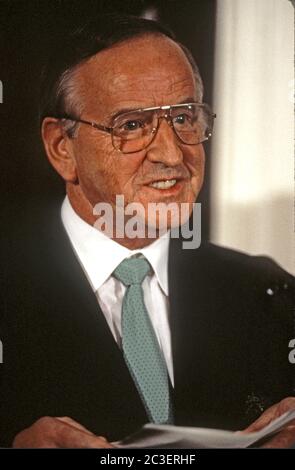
x=177 y=437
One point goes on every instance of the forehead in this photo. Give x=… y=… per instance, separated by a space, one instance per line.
x=146 y=71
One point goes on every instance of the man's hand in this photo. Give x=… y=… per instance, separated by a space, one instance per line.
x=286 y=437
x=58 y=433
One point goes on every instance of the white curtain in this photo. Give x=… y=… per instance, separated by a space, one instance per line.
x=253 y=144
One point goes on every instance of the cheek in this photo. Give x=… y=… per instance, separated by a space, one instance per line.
x=103 y=172
x=128 y=169
x=195 y=163
x=96 y=168
x=194 y=160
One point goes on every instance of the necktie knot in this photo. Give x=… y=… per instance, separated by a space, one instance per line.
x=132 y=271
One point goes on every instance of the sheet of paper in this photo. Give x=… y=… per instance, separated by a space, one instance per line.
x=164 y=437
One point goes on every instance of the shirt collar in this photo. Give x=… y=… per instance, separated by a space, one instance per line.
x=100 y=255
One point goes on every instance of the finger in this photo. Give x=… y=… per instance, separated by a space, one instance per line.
x=73 y=423
x=98 y=441
x=283 y=440
x=271 y=413
x=50 y=432
x=71 y=437
x=263 y=420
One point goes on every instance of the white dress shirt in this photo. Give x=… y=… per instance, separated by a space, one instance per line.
x=99 y=256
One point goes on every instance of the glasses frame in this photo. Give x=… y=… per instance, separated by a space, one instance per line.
x=167 y=108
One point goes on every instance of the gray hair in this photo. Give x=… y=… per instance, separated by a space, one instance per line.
x=67 y=93
x=196 y=72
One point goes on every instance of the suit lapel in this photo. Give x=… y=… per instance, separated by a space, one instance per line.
x=118 y=384
x=211 y=338
x=70 y=364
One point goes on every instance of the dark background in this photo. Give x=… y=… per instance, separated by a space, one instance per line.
x=27 y=29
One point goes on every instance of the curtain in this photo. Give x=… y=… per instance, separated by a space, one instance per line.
x=253 y=145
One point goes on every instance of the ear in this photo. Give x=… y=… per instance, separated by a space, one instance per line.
x=59 y=149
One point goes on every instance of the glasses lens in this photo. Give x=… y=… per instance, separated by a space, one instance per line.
x=192 y=123
x=133 y=131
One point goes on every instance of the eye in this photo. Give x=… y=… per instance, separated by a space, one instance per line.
x=132 y=125
x=182 y=119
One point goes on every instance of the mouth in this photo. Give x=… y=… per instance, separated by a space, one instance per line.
x=163 y=184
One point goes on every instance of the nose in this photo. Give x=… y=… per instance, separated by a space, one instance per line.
x=165 y=148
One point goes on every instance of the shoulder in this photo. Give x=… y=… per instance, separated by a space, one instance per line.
x=259 y=275
x=252 y=286
x=228 y=263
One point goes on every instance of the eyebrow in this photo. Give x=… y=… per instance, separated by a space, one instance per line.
x=116 y=113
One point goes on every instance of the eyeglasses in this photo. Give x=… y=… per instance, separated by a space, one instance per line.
x=133 y=131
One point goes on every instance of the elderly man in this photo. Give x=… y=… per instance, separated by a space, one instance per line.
x=104 y=333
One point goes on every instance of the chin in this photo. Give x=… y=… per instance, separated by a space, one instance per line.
x=168 y=217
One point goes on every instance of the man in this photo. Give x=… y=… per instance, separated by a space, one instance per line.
x=77 y=368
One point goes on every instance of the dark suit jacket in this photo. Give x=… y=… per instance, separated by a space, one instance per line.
x=232 y=318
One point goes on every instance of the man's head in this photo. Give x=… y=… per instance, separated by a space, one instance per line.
x=138 y=66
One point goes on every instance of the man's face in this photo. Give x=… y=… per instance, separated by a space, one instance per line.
x=138 y=73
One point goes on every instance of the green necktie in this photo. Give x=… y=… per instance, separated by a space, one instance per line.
x=140 y=345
